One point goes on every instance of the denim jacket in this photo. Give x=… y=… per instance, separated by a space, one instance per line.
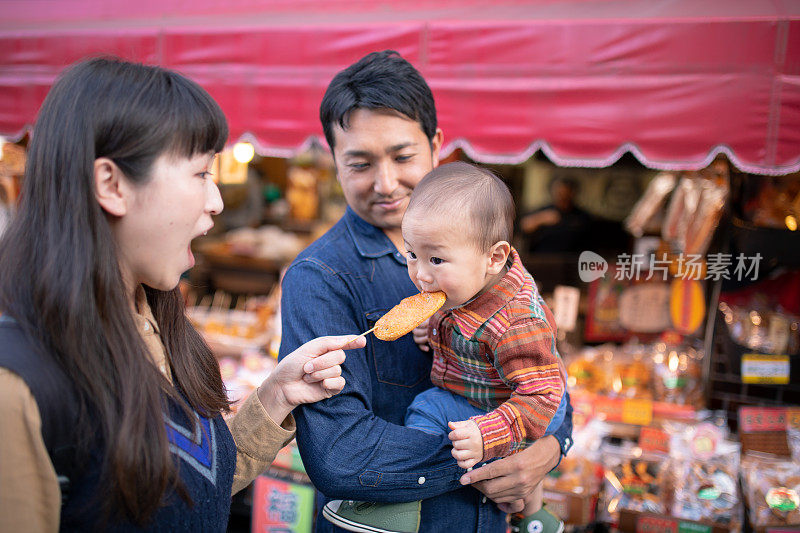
x=354 y=445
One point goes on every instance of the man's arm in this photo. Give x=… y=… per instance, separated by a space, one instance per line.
x=508 y=480
x=347 y=450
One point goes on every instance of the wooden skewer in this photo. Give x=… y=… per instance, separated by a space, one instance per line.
x=362 y=335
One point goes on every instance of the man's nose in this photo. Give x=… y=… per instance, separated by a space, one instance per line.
x=386 y=179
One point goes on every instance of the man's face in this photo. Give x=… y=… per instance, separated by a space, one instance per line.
x=563 y=196
x=380 y=158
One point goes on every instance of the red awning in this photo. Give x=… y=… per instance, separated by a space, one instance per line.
x=674 y=81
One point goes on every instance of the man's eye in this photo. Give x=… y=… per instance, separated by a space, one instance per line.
x=403 y=158
x=358 y=166
x=437 y=260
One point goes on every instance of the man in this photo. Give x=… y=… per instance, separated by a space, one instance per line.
x=561 y=226
x=380 y=122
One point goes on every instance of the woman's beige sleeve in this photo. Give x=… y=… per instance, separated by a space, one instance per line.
x=30 y=498
x=258 y=439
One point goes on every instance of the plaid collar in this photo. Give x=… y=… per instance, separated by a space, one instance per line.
x=472 y=315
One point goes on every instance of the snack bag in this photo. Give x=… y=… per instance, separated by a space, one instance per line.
x=677 y=374
x=772 y=486
x=650 y=203
x=705 y=470
x=633 y=480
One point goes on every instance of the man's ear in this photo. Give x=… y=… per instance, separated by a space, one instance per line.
x=436 y=146
x=110 y=187
x=498 y=255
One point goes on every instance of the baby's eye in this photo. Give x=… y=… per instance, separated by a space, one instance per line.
x=411 y=255
x=437 y=260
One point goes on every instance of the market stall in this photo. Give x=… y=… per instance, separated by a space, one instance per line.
x=665 y=342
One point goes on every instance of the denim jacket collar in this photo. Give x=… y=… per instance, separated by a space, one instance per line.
x=370 y=241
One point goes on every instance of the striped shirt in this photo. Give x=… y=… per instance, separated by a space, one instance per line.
x=499 y=352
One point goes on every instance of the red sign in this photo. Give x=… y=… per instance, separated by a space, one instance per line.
x=753 y=419
x=654 y=440
x=651 y=524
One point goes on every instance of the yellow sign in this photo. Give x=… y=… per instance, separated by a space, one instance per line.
x=758 y=368
x=639 y=412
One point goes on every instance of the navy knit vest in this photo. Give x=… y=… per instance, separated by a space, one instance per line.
x=203 y=449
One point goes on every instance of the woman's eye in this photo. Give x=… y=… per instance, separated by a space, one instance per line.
x=403 y=158
x=358 y=166
x=437 y=260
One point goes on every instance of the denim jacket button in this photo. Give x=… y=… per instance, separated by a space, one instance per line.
x=483 y=500
x=421 y=480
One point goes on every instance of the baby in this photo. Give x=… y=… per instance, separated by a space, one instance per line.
x=496 y=369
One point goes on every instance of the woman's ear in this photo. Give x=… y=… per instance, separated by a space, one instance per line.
x=498 y=255
x=110 y=187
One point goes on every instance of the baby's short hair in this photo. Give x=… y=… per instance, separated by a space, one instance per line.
x=462 y=189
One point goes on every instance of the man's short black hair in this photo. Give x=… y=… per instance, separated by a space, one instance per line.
x=380 y=80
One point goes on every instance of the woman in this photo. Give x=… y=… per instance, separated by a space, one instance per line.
x=109 y=399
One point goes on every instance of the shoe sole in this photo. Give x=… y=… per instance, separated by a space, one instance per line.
x=344 y=523
x=560 y=529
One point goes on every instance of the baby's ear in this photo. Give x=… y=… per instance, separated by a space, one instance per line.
x=498 y=255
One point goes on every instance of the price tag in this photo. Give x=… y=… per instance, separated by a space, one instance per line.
x=793 y=418
x=758 y=368
x=762 y=419
x=565 y=307
x=639 y=412
x=655 y=440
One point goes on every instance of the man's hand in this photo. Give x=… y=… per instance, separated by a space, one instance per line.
x=534 y=221
x=420 y=334
x=467 y=443
x=511 y=479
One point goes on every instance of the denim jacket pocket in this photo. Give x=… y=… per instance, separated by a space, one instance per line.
x=399 y=362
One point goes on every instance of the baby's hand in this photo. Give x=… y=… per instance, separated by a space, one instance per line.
x=467 y=443
x=421 y=336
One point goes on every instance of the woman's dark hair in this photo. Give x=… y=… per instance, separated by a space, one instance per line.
x=380 y=80
x=60 y=276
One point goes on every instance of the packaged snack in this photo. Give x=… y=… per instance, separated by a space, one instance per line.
x=585 y=371
x=635 y=481
x=650 y=203
x=772 y=486
x=632 y=374
x=677 y=375
x=580 y=471
x=705 y=470
x=694 y=211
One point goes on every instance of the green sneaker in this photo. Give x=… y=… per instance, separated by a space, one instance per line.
x=371 y=517
x=542 y=521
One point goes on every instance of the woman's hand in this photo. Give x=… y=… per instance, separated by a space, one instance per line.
x=420 y=334
x=309 y=374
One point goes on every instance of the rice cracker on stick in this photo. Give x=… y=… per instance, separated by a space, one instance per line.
x=408 y=314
